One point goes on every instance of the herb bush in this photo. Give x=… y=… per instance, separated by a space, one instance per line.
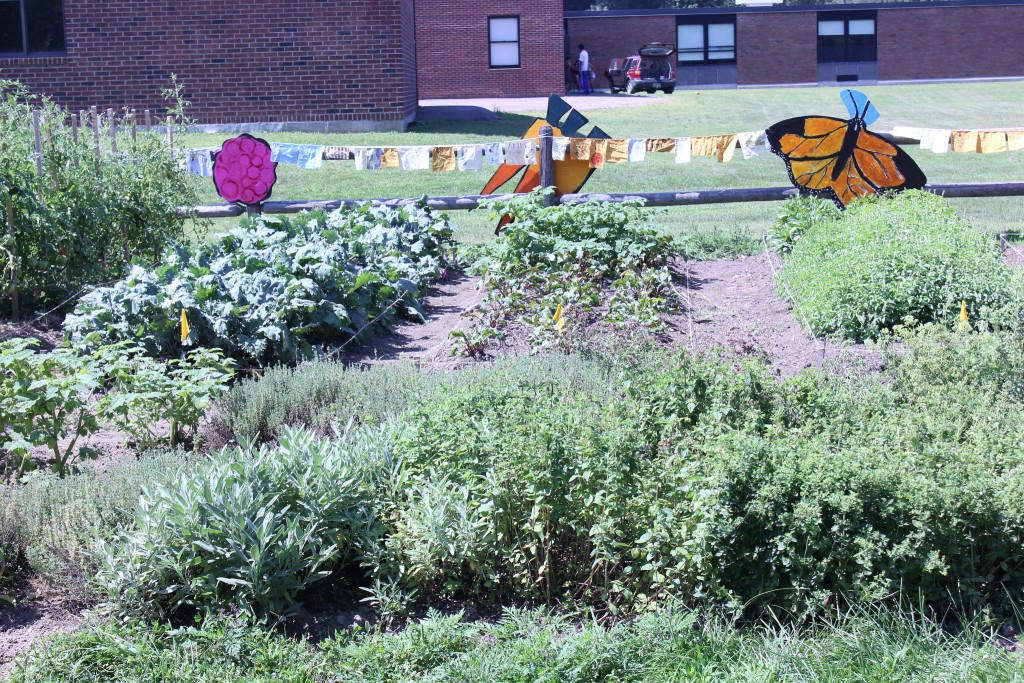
x=87 y=218
x=888 y=260
x=274 y=290
x=249 y=528
x=597 y=260
x=48 y=525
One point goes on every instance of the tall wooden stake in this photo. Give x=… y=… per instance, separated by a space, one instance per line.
x=170 y=134
x=39 y=151
x=112 y=122
x=135 y=119
x=15 y=279
x=547 y=162
x=49 y=143
x=96 y=133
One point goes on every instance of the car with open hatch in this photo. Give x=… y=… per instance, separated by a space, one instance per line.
x=648 y=70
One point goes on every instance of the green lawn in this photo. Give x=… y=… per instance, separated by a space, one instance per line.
x=687 y=112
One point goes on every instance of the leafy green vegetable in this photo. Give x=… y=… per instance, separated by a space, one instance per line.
x=275 y=290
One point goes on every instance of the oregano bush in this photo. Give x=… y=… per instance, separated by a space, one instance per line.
x=275 y=290
x=887 y=260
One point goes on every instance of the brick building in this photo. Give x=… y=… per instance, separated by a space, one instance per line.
x=481 y=48
x=350 y=65
x=338 y=65
x=751 y=46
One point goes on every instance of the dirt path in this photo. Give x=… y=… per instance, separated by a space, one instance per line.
x=426 y=343
x=24 y=625
x=733 y=304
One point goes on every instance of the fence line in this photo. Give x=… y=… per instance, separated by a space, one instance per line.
x=678 y=198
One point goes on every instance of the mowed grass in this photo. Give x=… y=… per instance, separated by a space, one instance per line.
x=686 y=112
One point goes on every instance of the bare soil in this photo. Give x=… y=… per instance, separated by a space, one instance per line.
x=426 y=344
x=32 y=619
x=732 y=304
x=48 y=330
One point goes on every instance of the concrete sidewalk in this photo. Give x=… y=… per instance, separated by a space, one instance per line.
x=583 y=103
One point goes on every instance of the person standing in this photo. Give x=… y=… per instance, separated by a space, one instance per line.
x=584 y=62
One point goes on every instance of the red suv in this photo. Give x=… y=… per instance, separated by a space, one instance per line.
x=648 y=70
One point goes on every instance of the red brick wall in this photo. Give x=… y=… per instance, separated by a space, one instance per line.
x=950 y=42
x=608 y=38
x=453 y=54
x=776 y=47
x=276 y=60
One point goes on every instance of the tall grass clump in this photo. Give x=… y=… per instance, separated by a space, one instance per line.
x=533 y=645
x=889 y=260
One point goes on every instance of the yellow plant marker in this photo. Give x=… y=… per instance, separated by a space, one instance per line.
x=184 y=326
x=559 y=318
x=963 y=310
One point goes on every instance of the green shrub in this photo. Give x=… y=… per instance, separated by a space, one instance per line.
x=249 y=528
x=55 y=398
x=88 y=217
x=597 y=261
x=275 y=290
x=888 y=260
x=48 y=526
x=799 y=215
x=318 y=394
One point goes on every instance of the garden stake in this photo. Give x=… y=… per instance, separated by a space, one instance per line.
x=15 y=313
x=96 y=134
x=49 y=143
x=113 y=131
x=39 y=152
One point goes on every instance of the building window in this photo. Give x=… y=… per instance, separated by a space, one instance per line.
x=503 y=34
x=709 y=40
x=31 y=27
x=847 y=37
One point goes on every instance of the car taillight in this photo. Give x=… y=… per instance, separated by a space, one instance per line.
x=671 y=75
x=634 y=73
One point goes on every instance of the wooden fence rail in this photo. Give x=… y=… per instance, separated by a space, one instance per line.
x=680 y=198
x=547 y=175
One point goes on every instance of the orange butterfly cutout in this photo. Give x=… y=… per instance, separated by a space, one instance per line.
x=843 y=160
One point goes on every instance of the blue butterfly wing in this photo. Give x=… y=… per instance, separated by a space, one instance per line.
x=858 y=104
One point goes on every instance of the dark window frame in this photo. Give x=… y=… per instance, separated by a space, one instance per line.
x=517 y=41
x=705 y=21
x=850 y=51
x=26 y=35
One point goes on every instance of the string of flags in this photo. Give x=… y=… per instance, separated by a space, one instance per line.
x=475 y=157
x=941 y=141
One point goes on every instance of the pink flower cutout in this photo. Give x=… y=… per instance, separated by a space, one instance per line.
x=243 y=171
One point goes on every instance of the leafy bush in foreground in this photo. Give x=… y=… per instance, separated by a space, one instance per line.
x=887 y=260
x=529 y=646
x=274 y=290
x=250 y=528
x=625 y=487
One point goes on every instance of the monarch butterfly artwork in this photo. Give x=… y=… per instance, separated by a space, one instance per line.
x=841 y=159
x=570 y=174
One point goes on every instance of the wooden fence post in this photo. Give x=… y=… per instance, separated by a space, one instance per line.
x=135 y=124
x=74 y=131
x=547 y=162
x=96 y=134
x=39 y=151
x=170 y=134
x=112 y=122
x=15 y=313
x=1002 y=243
